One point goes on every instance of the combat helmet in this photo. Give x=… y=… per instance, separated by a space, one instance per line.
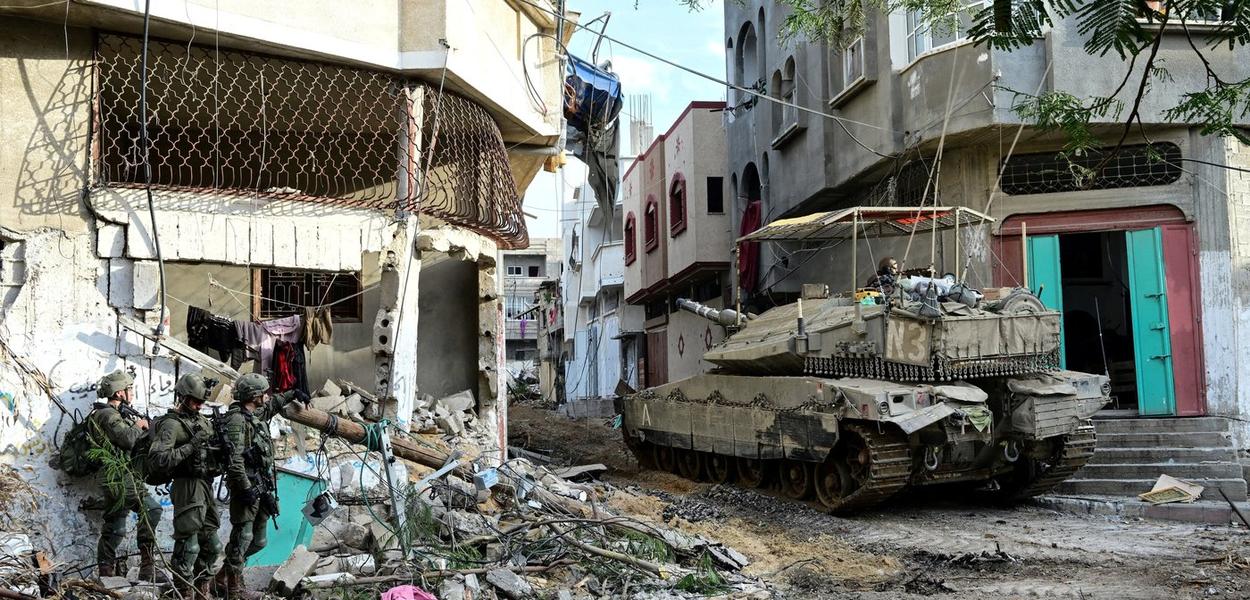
x=113 y=382
x=250 y=386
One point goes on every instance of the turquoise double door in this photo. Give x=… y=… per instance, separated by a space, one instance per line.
x=1152 y=340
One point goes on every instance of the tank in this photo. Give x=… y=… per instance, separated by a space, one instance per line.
x=849 y=402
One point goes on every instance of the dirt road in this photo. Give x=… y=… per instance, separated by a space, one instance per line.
x=918 y=547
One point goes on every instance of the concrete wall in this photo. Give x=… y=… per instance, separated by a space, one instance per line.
x=695 y=148
x=45 y=112
x=689 y=336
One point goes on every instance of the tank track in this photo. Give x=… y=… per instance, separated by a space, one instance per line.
x=889 y=471
x=1078 y=447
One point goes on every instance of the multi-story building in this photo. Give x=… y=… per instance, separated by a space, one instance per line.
x=678 y=241
x=1143 y=258
x=524 y=272
x=594 y=307
x=360 y=157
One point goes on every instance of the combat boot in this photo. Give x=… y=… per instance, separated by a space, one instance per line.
x=147 y=567
x=220 y=582
x=236 y=591
x=106 y=570
x=203 y=589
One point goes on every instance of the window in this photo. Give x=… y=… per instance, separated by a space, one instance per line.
x=651 y=225
x=515 y=271
x=1133 y=166
x=631 y=239
x=789 y=113
x=534 y=271
x=853 y=62
x=1197 y=15
x=655 y=309
x=923 y=37
x=515 y=305
x=715 y=195
x=677 y=204
x=287 y=292
x=747 y=71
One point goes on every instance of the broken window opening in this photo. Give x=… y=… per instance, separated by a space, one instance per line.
x=283 y=293
x=1052 y=172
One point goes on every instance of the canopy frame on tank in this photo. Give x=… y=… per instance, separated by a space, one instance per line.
x=875 y=221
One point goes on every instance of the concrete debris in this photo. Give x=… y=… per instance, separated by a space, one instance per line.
x=452 y=589
x=287 y=578
x=510 y=584
x=1170 y=489
x=581 y=473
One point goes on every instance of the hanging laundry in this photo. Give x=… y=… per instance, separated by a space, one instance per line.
x=317 y=327
x=208 y=332
x=290 y=371
x=260 y=337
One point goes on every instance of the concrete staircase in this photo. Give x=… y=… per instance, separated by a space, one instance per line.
x=1132 y=453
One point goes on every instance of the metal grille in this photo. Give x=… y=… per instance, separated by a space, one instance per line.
x=284 y=293
x=1132 y=166
x=468 y=180
x=256 y=125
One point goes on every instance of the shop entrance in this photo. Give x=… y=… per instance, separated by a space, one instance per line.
x=1127 y=289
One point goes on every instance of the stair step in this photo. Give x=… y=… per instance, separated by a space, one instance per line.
x=1151 y=471
x=1163 y=425
x=1206 y=439
x=1154 y=454
x=1234 y=488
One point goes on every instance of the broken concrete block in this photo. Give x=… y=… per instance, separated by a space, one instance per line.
x=114 y=583
x=384 y=332
x=383 y=539
x=354 y=535
x=330 y=389
x=472 y=586
x=110 y=241
x=450 y=423
x=330 y=404
x=147 y=284
x=289 y=574
x=458 y=402
x=121 y=283
x=510 y=584
x=450 y=589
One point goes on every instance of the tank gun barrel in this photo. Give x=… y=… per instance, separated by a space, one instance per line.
x=721 y=316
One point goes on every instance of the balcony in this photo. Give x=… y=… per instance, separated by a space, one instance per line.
x=609 y=260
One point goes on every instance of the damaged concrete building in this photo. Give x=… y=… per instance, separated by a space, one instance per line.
x=359 y=159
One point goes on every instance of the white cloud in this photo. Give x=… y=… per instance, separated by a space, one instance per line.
x=715 y=48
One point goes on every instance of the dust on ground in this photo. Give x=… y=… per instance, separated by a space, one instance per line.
x=925 y=546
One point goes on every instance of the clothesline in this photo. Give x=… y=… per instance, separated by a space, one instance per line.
x=217 y=284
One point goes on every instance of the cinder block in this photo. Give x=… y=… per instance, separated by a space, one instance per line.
x=188 y=241
x=214 y=242
x=147 y=284
x=308 y=248
x=238 y=240
x=261 y=250
x=384 y=332
x=350 y=248
x=110 y=241
x=284 y=243
x=121 y=283
x=139 y=243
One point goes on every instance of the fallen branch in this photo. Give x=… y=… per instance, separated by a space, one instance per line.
x=440 y=573
x=10 y=594
x=637 y=563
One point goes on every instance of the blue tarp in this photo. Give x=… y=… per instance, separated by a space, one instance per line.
x=592 y=96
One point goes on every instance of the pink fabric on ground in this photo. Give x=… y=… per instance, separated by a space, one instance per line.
x=407 y=592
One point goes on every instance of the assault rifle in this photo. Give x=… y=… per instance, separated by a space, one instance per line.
x=265 y=482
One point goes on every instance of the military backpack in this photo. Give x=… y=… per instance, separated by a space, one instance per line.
x=75 y=457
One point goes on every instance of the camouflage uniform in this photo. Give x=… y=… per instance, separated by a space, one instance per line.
x=180 y=445
x=124 y=491
x=248 y=432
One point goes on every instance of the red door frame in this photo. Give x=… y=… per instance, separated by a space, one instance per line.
x=1180 y=259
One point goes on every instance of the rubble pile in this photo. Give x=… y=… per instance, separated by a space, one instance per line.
x=517 y=531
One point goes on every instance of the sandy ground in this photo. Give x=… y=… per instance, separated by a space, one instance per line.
x=917 y=547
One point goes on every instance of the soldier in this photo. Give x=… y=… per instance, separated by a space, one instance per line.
x=121 y=481
x=181 y=444
x=250 y=476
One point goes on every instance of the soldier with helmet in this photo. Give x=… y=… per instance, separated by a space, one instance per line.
x=121 y=482
x=182 y=447
x=250 y=475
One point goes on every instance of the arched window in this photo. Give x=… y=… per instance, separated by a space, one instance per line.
x=789 y=114
x=631 y=238
x=746 y=58
x=677 y=204
x=651 y=224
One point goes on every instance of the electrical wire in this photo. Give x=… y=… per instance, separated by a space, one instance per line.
x=839 y=120
x=146 y=143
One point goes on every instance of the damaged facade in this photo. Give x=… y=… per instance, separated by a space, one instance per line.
x=354 y=159
x=1147 y=265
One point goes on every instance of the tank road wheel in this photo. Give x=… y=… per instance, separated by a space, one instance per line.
x=689 y=464
x=796 y=479
x=664 y=458
x=752 y=472
x=833 y=483
x=720 y=468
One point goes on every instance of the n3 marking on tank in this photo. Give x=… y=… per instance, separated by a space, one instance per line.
x=907 y=342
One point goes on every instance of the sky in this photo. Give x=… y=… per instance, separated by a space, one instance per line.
x=662 y=27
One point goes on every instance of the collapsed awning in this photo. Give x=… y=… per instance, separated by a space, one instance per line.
x=872 y=221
